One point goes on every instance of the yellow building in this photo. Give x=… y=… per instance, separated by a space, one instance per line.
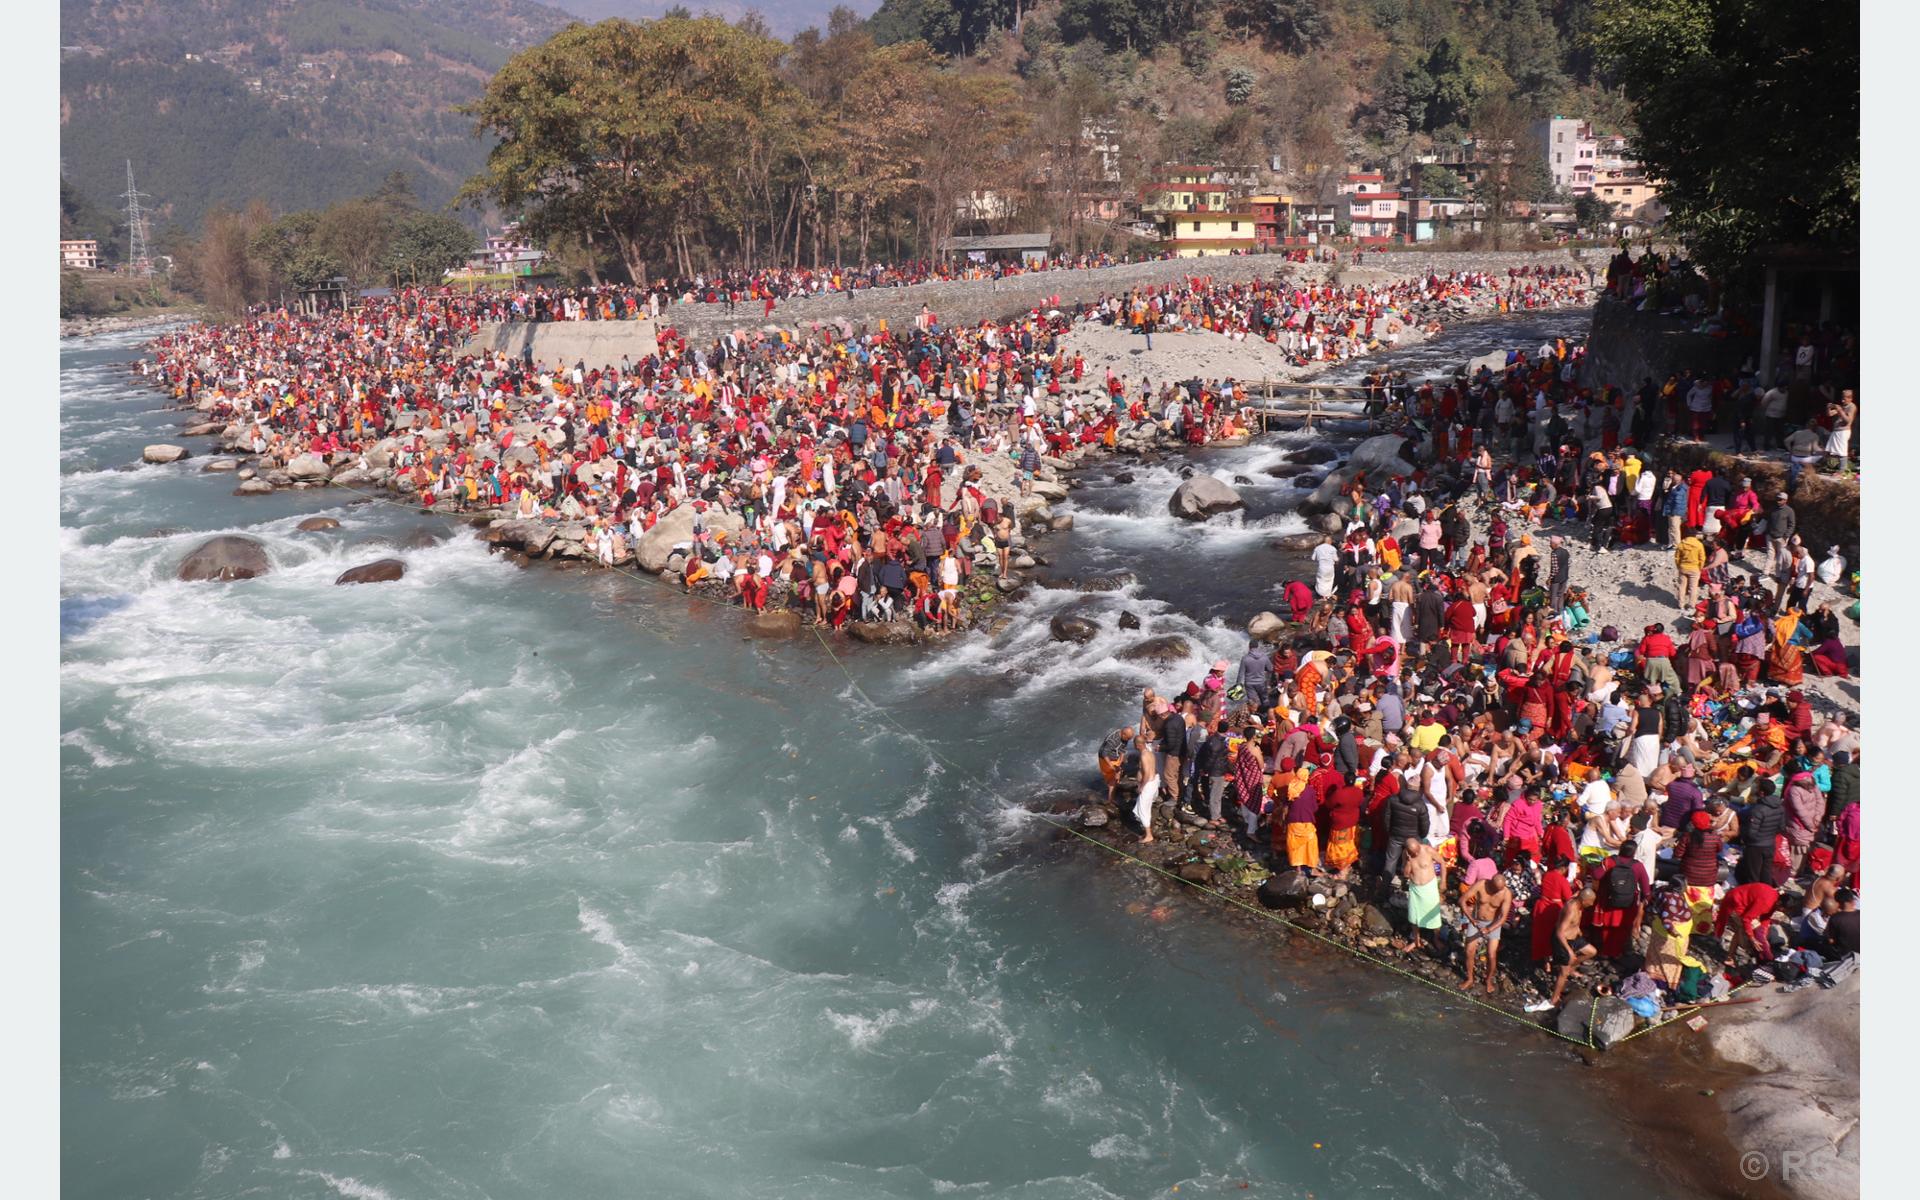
x=1193 y=234
x=1185 y=197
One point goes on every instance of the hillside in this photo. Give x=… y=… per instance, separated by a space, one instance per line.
x=298 y=102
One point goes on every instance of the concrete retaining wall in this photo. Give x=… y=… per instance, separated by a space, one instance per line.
x=563 y=343
x=965 y=302
x=1627 y=347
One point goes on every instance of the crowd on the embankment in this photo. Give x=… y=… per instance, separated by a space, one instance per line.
x=861 y=477
x=1586 y=717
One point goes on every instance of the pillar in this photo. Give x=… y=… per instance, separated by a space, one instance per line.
x=1770 y=327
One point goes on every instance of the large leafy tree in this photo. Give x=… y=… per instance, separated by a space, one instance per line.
x=1749 y=116
x=631 y=129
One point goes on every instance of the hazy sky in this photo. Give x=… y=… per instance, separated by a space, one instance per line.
x=784 y=17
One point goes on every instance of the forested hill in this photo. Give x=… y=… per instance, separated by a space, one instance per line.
x=297 y=102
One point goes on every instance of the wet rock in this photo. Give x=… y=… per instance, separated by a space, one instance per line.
x=253 y=487
x=1266 y=627
x=1094 y=816
x=245 y=473
x=204 y=429
x=1283 y=471
x=1168 y=649
x=317 y=525
x=1596 y=1022
x=1123 y=477
x=884 y=633
x=1201 y=873
x=1374 y=922
x=774 y=624
x=355 y=477
x=1297 y=541
x=1061 y=523
x=1110 y=583
x=223 y=559
x=1008 y=583
x=998 y=625
x=1332 y=523
x=220 y=464
x=1243 y=481
x=1129 y=620
x=423 y=537
x=1023 y=562
x=532 y=537
x=278 y=479
x=163 y=454
x=1313 y=454
x=1307 y=481
x=384 y=570
x=1201 y=497
x=1070 y=627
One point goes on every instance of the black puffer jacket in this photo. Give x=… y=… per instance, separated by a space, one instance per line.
x=1763 y=821
x=1407 y=815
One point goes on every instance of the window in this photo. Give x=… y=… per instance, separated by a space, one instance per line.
x=1556 y=158
x=1236 y=227
x=1196 y=227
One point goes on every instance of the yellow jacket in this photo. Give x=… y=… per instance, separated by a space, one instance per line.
x=1689 y=554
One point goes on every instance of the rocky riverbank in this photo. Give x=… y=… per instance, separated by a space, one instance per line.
x=73 y=327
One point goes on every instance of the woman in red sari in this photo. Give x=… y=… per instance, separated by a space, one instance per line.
x=1697 y=498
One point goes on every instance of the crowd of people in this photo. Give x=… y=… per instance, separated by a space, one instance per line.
x=851 y=477
x=764 y=286
x=1450 y=723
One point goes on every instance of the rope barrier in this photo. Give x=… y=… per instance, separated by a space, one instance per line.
x=1066 y=827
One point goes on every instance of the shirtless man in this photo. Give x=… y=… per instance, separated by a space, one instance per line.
x=1423 y=892
x=1484 y=909
x=1570 y=948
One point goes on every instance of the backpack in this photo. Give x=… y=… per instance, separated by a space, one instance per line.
x=1620 y=887
x=1609 y=634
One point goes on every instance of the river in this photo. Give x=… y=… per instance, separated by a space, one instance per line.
x=523 y=883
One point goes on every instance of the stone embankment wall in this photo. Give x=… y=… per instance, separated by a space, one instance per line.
x=970 y=301
x=1626 y=347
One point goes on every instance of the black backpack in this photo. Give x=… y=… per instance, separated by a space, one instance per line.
x=1622 y=888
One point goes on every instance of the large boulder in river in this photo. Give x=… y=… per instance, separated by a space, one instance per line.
x=1380 y=453
x=773 y=625
x=164 y=454
x=1110 y=583
x=383 y=570
x=1597 y=1023
x=221 y=464
x=650 y=552
x=1203 y=496
x=1266 y=627
x=253 y=487
x=1071 y=627
x=1169 y=649
x=317 y=525
x=1313 y=454
x=223 y=559
x=884 y=633
x=309 y=468
x=531 y=536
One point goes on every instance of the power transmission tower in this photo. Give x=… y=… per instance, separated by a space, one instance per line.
x=139 y=258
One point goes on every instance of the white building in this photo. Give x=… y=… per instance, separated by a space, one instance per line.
x=1572 y=152
x=79 y=254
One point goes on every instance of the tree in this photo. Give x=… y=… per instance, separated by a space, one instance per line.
x=221 y=262
x=1592 y=213
x=424 y=246
x=1442 y=182
x=1748 y=115
x=1239 y=86
x=1295 y=26
x=629 y=129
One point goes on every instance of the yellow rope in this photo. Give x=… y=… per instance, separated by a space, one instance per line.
x=1117 y=851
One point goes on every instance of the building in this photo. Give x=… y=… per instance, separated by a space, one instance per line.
x=1572 y=151
x=1441 y=216
x=1195 y=234
x=1375 y=215
x=79 y=254
x=1635 y=198
x=507 y=253
x=1182 y=196
x=1272 y=219
x=1027 y=249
